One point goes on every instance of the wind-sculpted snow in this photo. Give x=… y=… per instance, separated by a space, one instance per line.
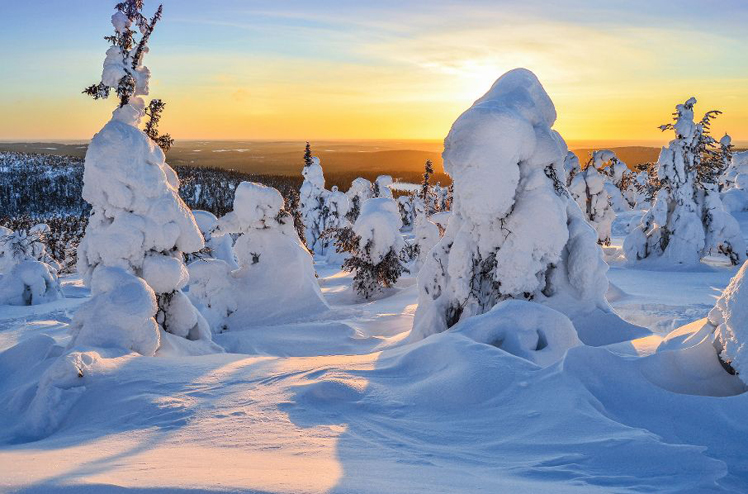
x=514 y=231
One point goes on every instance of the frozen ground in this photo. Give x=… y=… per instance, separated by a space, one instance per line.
x=339 y=404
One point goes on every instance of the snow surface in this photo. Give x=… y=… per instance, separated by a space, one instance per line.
x=341 y=405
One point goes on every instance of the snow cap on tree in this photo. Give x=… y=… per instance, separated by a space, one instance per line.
x=514 y=231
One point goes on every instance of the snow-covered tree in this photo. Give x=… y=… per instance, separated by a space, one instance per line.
x=360 y=191
x=687 y=220
x=375 y=245
x=617 y=177
x=588 y=190
x=26 y=275
x=381 y=187
x=313 y=205
x=337 y=209
x=571 y=167
x=275 y=281
x=139 y=223
x=735 y=183
x=426 y=235
x=406 y=205
x=514 y=231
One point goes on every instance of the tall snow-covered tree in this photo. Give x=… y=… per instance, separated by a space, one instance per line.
x=514 y=231
x=314 y=209
x=360 y=191
x=687 y=220
x=139 y=226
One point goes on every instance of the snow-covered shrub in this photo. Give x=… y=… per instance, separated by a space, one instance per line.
x=313 y=202
x=381 y=187
x=360 y=191
x=514 y=231
x=426 y=235
x=28 y=275
x=535 y=333
x=617 y=178
x=588 y=190
x=29 y=283
x=687 y=220
x=217 y=245
x=376 y=247
x=138 y=223
x=122 y=314
x=275 y=281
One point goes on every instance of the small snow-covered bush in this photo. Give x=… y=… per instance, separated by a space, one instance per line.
x=687 y=220
x=217 y=245
x=375 y=245
x=514 y=231
x=28 y=275
x=426 y=235
x=535 y=333
x=29 y=283
x=275 y=281
x=588 y=189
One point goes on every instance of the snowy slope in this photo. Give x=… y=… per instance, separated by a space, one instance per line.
x=337 y=403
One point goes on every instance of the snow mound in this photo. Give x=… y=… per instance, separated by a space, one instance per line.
x=536 y=333
x=122 y=316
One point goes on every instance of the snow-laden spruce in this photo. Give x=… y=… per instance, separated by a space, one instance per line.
x=275 y=282
x=687 y=220
x=139 y=223
x=514 y=231
x=313 y=202
x=589 y=191
x=426 y=235
x=617 y=178
x=28 y=274
x=376 y=247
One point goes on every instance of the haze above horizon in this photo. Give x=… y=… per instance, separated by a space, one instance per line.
x=333 y=71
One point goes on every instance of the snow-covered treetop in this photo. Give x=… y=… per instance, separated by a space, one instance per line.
x=378 y=226
x=313 y=174
x=510 y=124
x=123 y=67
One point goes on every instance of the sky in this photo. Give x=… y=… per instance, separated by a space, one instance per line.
x=323 y=69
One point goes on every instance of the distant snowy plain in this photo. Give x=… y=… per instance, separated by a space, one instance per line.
x=337 y=403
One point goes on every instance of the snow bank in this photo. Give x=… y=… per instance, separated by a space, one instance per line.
x=514 y=231
x=535 y=333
